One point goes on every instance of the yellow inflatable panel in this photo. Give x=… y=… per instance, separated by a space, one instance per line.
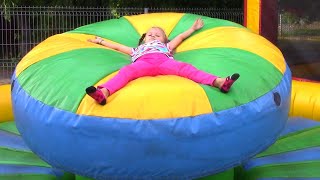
x=143 y=23
x=52 y=46
x=237 y=38
x=193 y=102
x=305 y=100
x=253 y=15
x=5 y=103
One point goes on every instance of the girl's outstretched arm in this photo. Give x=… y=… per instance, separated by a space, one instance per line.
x=118 y=47
x=198 y=24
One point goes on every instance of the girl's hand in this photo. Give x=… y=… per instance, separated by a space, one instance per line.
x=96 y=40
x=198 y=24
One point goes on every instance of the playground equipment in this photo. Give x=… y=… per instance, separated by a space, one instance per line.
x=297 y=148
x=5 y=103
x=295 y=155
x=305 y=99
x=176 y=128
x=17 y=161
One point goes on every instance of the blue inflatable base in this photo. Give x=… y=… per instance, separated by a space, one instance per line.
x=190 y=147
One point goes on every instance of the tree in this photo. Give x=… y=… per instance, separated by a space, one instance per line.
x=129 y=3
x=178 y=3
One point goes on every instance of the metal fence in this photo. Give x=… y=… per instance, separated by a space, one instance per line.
x=299 y=41
x=21 y=28
x=298 y=27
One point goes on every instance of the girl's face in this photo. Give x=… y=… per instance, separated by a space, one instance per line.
x=155 y=34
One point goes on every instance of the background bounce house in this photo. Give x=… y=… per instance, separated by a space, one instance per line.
x=265 y=127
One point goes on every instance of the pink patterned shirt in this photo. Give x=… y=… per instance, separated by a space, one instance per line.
x=155 y=46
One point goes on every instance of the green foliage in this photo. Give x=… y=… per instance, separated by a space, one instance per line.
x=177 y=3
x=5 y=4
x=84 y=3
x=302 y=32
x=289 y=18
x=129 y=3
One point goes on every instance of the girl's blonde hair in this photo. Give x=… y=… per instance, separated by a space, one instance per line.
x=144 y=35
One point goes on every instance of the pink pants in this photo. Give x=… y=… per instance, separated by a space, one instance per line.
x=153 y=65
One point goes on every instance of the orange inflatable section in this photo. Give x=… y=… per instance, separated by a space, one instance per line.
x=6 y=113
x=305 y=99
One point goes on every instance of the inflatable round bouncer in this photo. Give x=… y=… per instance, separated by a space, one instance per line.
x=155 y=127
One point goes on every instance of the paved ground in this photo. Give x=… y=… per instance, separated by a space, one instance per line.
x=302 y=56
x=5 y=74
x=4 y=81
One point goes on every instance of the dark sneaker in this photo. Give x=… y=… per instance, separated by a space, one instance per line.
x=97 y=95
x=228 y=83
